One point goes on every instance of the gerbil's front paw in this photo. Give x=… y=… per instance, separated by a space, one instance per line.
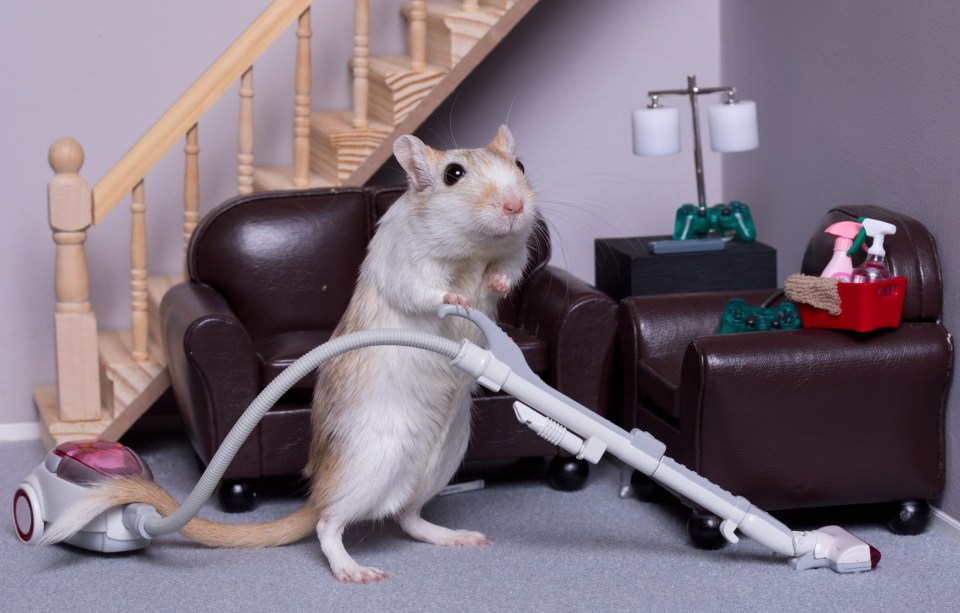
x=458 y=300
x=499 y=283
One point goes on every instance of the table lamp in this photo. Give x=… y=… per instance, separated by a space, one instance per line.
x=733 y=127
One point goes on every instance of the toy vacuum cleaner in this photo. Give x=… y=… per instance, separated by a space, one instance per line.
x=68 y=470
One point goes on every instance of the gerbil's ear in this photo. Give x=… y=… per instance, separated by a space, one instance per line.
x=414 y=156
x=504 y=141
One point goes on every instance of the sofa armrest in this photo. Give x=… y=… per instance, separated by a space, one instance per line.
x=812 y=403
x=213 y=368
x=664 y=323
x=578 y=324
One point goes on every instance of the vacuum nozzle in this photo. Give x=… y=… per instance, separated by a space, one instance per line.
x=834 y=547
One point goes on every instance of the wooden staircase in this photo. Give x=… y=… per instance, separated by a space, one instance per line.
x=106 y=380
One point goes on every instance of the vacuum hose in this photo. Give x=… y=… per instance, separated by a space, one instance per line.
x=151 y=524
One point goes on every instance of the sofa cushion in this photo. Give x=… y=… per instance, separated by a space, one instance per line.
x=534 y=350
x=658 y=378
x=279 y=351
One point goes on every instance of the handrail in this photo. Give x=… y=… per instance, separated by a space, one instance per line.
x=199 y=97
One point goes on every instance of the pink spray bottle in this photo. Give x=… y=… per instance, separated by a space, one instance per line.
x=848 y=237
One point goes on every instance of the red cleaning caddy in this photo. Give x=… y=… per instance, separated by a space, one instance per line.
x=863 y=307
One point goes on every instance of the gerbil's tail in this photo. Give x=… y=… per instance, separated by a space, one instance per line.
x=127 y=490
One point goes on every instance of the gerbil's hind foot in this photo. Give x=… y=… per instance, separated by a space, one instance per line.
x=499 y=283
x=458 y=300
x=422 y=530
x=355 y=573
x=344 y=567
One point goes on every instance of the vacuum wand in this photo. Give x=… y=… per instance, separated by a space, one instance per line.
x=67 y=472
x=553 y=416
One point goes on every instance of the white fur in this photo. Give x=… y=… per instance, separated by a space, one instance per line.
x=406 y=434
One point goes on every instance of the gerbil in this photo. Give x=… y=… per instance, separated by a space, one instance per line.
x=391 y=424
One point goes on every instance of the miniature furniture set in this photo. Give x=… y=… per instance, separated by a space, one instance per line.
x=268 y=278
x=789 y=419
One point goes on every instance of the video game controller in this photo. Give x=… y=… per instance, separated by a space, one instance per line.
x=738 y=316
x=722 y=218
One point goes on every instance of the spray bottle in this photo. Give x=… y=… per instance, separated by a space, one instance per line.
x=848 y=237
x=874 y=268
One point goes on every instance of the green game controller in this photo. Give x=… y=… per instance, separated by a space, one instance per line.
x=694 y=222
x=738 y=316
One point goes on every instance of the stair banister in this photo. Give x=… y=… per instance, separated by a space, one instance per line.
x=193 y=104
x=71 y=212
x=301 y=113
x=245 y=135
x=191 y=184
x=361 y=63
x=418 y=34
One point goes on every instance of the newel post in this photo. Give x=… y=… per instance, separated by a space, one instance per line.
x=70 y=207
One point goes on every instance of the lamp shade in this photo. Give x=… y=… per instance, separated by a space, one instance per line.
x=733 y=127
x=656 y=131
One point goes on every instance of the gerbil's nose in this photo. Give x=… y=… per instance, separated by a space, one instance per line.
x=512 y=205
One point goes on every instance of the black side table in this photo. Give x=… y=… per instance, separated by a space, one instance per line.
x=625 y=267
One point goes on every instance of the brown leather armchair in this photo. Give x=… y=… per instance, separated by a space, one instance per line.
x=269 y=277
x=799 y=418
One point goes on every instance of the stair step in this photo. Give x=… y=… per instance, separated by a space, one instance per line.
x=128 y=389
x=337 y=148
x=124 y=380
x=452 y=32
x=395 y=89
x=498 y=4
x=274 y=178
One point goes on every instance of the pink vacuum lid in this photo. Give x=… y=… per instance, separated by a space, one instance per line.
x=93 y=460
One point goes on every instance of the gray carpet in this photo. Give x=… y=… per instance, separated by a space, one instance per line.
x=580 y=551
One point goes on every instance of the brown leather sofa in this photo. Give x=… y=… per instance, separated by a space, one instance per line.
x=268 y=278
x=799 y=418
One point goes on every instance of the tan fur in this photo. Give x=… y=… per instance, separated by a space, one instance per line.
x=283 y=531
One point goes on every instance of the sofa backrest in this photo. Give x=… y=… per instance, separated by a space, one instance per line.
x=911 y=252
x=288 y=261
x=284 y=261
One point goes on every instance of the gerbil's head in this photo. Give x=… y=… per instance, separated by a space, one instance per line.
x=482 y=192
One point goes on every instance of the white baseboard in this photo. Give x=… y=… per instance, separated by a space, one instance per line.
x=24 y=431
x=945 y=524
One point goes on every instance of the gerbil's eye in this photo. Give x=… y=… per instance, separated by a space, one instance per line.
x=520 y=166
x=453 y=173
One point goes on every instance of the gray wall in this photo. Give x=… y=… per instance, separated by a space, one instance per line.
x=859 y=102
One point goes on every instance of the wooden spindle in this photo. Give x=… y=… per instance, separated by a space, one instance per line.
x=245 y=135
x=191 y=184
x=361 y=63
x=471 y=6
x=138 y=273
x=418 y=34
x=301 y=113
x=70 y=208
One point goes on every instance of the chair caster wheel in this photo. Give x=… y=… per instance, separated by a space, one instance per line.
x=910 y=517
x=704 y=530
x=568 y=474
x=237 y=496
